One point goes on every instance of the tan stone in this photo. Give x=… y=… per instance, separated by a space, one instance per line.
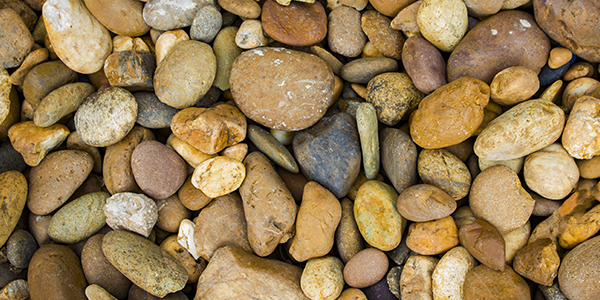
x=415 y=281
x=35 y=142
x=219 y=176
x=434 y=237
x=538 y=262
x=13 y=195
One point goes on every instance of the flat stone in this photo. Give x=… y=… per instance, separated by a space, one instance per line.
x=79 y=219
x=362 y=70
x=538 y=261
x=367 y=125
x=297 y=24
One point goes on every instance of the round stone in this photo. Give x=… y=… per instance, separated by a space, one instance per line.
x=206 y=24
x=158 y=170
x=579 y=270
x=366 y=268
x=345 y=35
x=16 y=41
x=322 y=278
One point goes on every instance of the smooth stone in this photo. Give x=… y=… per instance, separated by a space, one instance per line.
x=399 y=158
x=20 y=248
x=432 y=238
x=362 y=70
x=24 y=10
x=400 y=254
x=318 y=217
x=415 y=280
x=329 y=153
x=334 y=63
x=366 y=268
x=551 y=172
x=345 y=35
x=79 y=40
x=53 y=181
x=484 y=283
x=578 y=271
x=270 y=210
x=538 y=261
x=516 y=40
x=99 y=271
x=106 y=117
x=131 y=65
x=191 y=155
x=206 y=24
x=96 y=292
x=9 y=104
x=16 y=41
x=251 y=35
x=152 y=113
x=13 y=195
x=446 y=171
x=393 y=95
x=136 y=293
x=45 y=78
x=79 y=219
x=449 y=275
x=166 y=41
x=272 y=148
x=367 y=125
x=377 y=217
x=186 y=73
x=237 y=151
x=424 y=64
x=293 y=96
x=388 y=7
x=220 y=223
x=61 y=102
x=35 y=142
x=131 y=211
x=105 y=12
x=170 y=213
x=116 y=168
x=352 y=294
x=174 y=246
x=226 y=51
x=191 y=197
x=348 y=240
x=247 y=9
x=387 y=40
x=219 y=176
x=579 y=135
x=577 y=88
x=424 y=203
x=579 y=70
x=234 y=273
x=126 y=251
x=55 y=273
x=549 y=75
x=158 y=170
x=297 y=24
x=485 y=243
x=446 y=30
x=513 y=85
x=38 y=226
x=168 y=15
x=322 y=278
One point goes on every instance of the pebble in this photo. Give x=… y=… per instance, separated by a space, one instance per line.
x=45 y=78
x=352 y=294
x=297 y=24
x=514 y=85
x=251 y=35
x=168 y=15
x=167 y=40
x=157 y=170
x=55 y=272
x=552 y=292
x=53 y=181
x=415 y=281
x=99 y=271
x=516 y=239
x=191 y=197
x=16 y=40
x=318 y=217
x=362 y=70
x=424 y=64
x=366 y=268
x=131 y=211
x=20 y=248
x=445 y=30
x=191 y=155
x=548 y=75
x=577 y=88
x=221 y=223
x=538 y=261
x=61 y=102
x=131 y=65
x=142 y=261
x=96 y=292
x=152 y=113
x=345 y=35
x=445 y=171
x=35 y=142
x=15 y=290
x=398 y=158
x=79 y=219
x=380 y=290
x=485 y=243
x=334 y=63
x=449 y=275
x=393 y=95
x=433 y=237
x=80 y=41
x=206 y=24
x=366 y=123
x=38 y=226
x=322 y=278
x=377 y=216
x=265 y=278
x=170 y=213
x=186 y=73
x=272 y=99
x=551 y=172
x=559 y=57
x=226 y=51
x=577 y=137
x=484 y=283
x=193 y=268
x=237 y=151
x=387 y=40
x=424 y=203
x=578 y=270
x=13 y=195
x=588 y=168
x=270 y=210
x=348 y=240
x=219 y=176
x=272 y=148
x=406 y=20
x=105 y=12
x=32 y=59
x=577 y=70
x=247 y=9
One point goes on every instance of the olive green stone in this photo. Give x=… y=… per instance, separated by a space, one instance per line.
x=79 y=219
x=366 y=121
x=60 y=102
x=272 y=148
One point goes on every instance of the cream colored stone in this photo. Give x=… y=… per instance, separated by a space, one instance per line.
x=415 y=281
x=251 y=35
x=191 y=155
x=515 y=164
x=450 y=272
x=219 y=176
x=515 y=240
x=581 y=136
x=443 y=23
x=551 y=172
x=167 y=40
x=185 y=237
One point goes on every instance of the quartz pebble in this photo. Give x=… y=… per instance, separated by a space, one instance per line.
x=322 y=278
x=134 y=212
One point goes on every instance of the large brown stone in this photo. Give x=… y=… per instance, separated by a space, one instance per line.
x=483 y=283
x=579 y=271
x=298 y=24
x=484 y=242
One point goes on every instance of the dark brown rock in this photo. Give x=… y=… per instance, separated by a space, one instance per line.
x=298 y=24
x=98 y=270
x=538 y=261
x=424 y=64
x=484 y=242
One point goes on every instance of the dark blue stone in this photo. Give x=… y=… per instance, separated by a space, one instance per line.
x=329 y=153
x=151 y=112
x=548 y=75
x=10 y=159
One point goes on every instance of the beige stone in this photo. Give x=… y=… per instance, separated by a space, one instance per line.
x=35 y=142
x=219 y=176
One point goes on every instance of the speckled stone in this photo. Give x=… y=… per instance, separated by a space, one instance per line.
x=20 y=248
x=61 y=102
x=348 y=239
x=366 y=268
x=34 y=142
x=130 y=211
x=16 y=41
x=79 y=219
x=345 y=35
x=152 y=113
x=206 y=24
x=226 y=51
x=168 y=15
x=272 y=148
x=158 y=170
x=322 y=278
x=45 y=78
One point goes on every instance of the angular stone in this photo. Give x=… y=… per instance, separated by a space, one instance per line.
x=538 y=261
x=131 y=66
x=55 y=273
x=415 y=282
x=485 y=243
x=35 y=142
x=366 y=268
x=130 y=211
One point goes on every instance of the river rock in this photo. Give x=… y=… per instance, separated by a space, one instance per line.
x=273 y=99
x=132 y=25
x=345 y=35
x=53 y=181
x=538 y=261
x=206 y=24
x=551 y=172
x=20 y=248
x=398 y=158
x=16 y=41
x=131 y=211
x=445 y=30
x=152 y=113
x=271 y=147
x=449 y=275
x=169 y=15
x=386 y=39
x=194 y=268
x=367 y=125
x=578 y=271
x=38 y=226
x=96 y=292
x=366 y=268
x=106 y=117
x=166 y=41
x=125 y=250
x=35 y=142
x=578 y=139
x=424 y=202
x=246 y=9
x=131 y=65
x=322 y=278
x=362 y=70
x=79 y=219
x=270 y=210
x=433 y=237
x=377 y=217
x=352 y=294
x=235 y=273
x=507 y=39
x=13 y=195
x=393 y=95
x=61 y=102
x=297 y=24
x=251 y=35
x=219 y=176
x=170 y=213
x=318 y=217
x=463 y=100
x=329 y=153
x=445 y=171
x=191 y=197
x=513 y=85
x=99 y=271
x=348 y=239
x=77 y=38
x=424 y=64
x=577 y=88
x=158 y=170
x=45 y=78
x=10 y=159
x=24 y=10
x=485 y=243
x=415 y=281
x=484 y=283
x=185 y=74
x=55 y=273
x=226 y=51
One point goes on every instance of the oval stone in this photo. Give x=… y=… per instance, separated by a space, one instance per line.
x=297 y=24
x=171 y=14
x=445 y=171
x=98 y=270
x=579 y=269
x=79 y=219
x=186 y=73
x=219 y=176
x=348 y=239
x=271 y=147
x=143 y=262
x=376 y=215
x=387 y=40
x=449 y=275
x=424 y=202
x=345 y=35
x=106 y=117
x=362 y=70
x=61 y=102
x=292 y=96
x=13 y=195
x=16 y=41
x=483 y=283
x=45 y=78
x=399 y=158
x=77 y=38
x=121 y=17
x=226 y=51
x=322 y=278
x=393 y=95
x=152 y=113
x=55 y=273
x=444 y=30
x=424 y=64
x=158 y=170
x=20 y=248
x=206 y=24
x=366 y=268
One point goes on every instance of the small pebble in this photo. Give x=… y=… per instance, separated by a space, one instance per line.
x=366 y=268
x=130 y=211
x=206 y=24
x=322 y=278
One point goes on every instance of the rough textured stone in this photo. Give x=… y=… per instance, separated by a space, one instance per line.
x=20 y=248
x=446 y=171
x=345 y=35
x=579 y=269
x=61 y=102
x=434 y=237
x=16 y=41
x=130 y=211
x=206 y=24
x=297 y=24
x=484 y=283
x=393 y=95
x=398 y=158
x=79 y=219
x=322 y=278
x=131 y=64
x=35 y=142
x=449 y=275
x=415 y=281
x=152 y=113
x=538 y=261
x=386 y=39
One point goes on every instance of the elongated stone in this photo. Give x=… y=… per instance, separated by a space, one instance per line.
x=272 y=148
x=366 y=121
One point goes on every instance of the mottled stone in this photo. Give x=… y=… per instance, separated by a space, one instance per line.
x=538 y=261
x=61 y=102
x=219 y=176
x=131 y=65
x=345 y=35
x=399 y=158
x=193 y=268
x=130 y=211
x=251 y=35
x=79 y=219
x=386 y=39
x=152 y=113
x=297 y=24
x=449 y=275
x=20 y=248
x=168 y=15
x=415 y=281
x=348 y=239
x=367 y=125
x=99 y=271
x=16 y=41
x=484 y=283
x=393 y=95
x=45 y=78
x=13 y=195
x=322 y=278
x=579 y=270
x=206 y=24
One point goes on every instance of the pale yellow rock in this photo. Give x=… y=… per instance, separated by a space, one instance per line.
x=415 y=281
x=552 y=93
x=581 y=136
x=450 y=272
x=322 y=278
x=515 y=164
x=77 y=38
x=219 y=176
x=5 y=91
x=167 y=40
x=238 y=151
x=191 y=155
x=35 y=142
x=515 y=240
x=551 y=172
x=251 y=35
x=443 y=22
x=96 y=292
